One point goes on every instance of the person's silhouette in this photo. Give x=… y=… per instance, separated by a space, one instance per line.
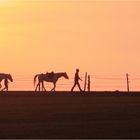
x=6 y=84
x=76 y=80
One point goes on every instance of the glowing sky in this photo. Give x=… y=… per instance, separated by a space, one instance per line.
x=100 y=37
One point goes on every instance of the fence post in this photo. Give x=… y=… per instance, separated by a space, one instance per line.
x=85 y=81
x=88 y=87
x=127 y=78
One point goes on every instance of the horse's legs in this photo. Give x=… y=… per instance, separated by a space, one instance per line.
x=39 y=85
x=53 y=89
x=54 y=86
x=42 y=84
x=36 y=87
x=43 y=87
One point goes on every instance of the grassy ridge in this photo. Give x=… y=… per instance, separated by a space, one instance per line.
x=33 y=115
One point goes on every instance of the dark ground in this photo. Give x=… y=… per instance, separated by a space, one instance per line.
x=69 y=115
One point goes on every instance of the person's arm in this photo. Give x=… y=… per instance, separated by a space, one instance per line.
x=80 y=79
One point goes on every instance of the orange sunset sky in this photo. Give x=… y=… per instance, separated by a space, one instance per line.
x=101 y=37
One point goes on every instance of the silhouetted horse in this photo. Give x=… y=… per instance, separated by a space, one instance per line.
x=46 y=77
x=5 y=77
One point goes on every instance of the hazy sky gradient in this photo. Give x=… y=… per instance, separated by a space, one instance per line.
x=100 y=37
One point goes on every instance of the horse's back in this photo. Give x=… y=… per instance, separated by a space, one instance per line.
x=3 y=74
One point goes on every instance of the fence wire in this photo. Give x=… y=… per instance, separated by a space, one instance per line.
x=98 y=83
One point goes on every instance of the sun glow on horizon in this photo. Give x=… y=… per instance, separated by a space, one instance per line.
x=98 y=37
x=4 y=4
x=4 y=1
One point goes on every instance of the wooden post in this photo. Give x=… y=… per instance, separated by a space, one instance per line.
x=85 y=81
x=127 y=78
x=88 y=87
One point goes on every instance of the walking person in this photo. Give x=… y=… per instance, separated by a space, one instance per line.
x=5 y=84
x=76 y=80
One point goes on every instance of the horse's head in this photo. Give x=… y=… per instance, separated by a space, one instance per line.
x=10 y=77
x=65 y=75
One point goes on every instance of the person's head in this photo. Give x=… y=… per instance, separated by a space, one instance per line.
x=77 y=70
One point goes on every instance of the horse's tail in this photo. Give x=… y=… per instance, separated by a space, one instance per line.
x=35 y=79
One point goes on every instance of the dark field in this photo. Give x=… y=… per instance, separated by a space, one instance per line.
x=69 y=115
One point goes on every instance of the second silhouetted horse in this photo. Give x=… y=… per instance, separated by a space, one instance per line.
x=46 y=77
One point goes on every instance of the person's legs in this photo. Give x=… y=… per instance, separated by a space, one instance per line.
x=73 y=86
x=3 y=89
x=79 y=86
x=6 y=87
